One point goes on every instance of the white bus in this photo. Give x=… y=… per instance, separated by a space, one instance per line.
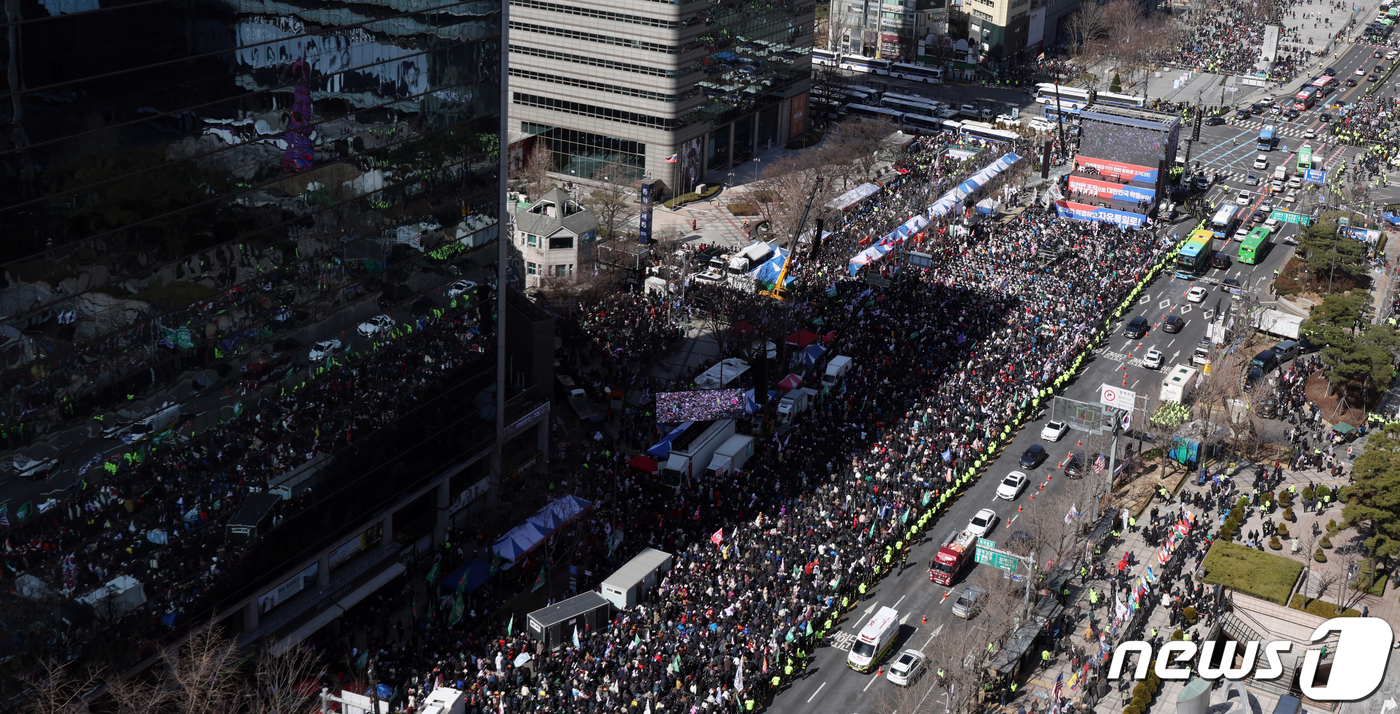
x=909 y=107
x=824 y=57
x=867 y=65
x=981 y=130
x=1069 y=98
x=861 y=110
x=1120 y=100
x=932 y=75
x=925 y=123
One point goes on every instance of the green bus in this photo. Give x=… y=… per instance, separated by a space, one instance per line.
x=1304 y=159
x=1252 y=249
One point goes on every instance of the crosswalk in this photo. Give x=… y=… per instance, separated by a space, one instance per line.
x=1280 y=130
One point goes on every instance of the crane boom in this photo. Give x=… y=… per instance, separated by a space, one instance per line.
x=777 y=292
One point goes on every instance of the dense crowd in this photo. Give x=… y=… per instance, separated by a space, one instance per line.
x=1227 y=37
x=1373 y=123
x=944 y=358
x=158 y=513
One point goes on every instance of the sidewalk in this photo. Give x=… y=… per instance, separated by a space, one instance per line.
x=1042 y=678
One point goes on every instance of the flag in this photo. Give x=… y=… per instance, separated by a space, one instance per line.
x=495 y=564
x=27 y=510
x=718 y=537
x=434 y=572
x=1055 y=693
x=739 y=676
x=539 y=581
x=575 y=636
x=363 y=662
x=5 y=515
x=458 y=607
x=462 y=583
x=676 y=664
x=671 y=159
x=1041 y=57
x=510 y=626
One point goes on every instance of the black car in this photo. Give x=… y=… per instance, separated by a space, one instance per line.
x=1214 y=121
x=1373 y=77
x=1137 y=327
x=1330 y=71
x=1324 y=117
x=1241 y=115
x=1260 y=216
x=1377 y=54
x=1033 y=456
x=1292 y=114
x=1174 y=323
x=1220 y=261
x=1229 y=284
x=1075 y=464
x=1351 y=81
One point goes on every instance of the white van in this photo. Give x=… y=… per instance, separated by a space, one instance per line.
x=875 y=640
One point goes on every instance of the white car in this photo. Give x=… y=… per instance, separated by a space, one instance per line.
x=1243 y=198
x=1360 y=71
x=1153 y=359
x=322 y=351
x=907 y=668
x=376 y=325
x=982 y=523
x=1310 y=134
x=1262 y=162
x=1196 y=294
x=460 y=287
x=1012 y=485
x=1054 y=431
x=1391 y=54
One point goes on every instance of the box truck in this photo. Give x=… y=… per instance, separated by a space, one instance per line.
x=836 y=370
x=794 y=402
x=1179 y=384
x=732 y=455
x=692 y=450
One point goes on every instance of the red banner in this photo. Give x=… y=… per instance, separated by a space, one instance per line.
x=1118 y=170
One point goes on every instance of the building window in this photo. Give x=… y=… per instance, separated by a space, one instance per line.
x=561 y=271
x=600 y=14
x=1018 y=16
x=588 y=110
x=981 y=14
x=532 y=240
x=597 y=86
x=592 y=156
x=561 y=242
x=601 y=39
x=530 y=268
x=596 y=62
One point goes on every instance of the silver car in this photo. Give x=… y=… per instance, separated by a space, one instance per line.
x=907 y=668
x=969 y=601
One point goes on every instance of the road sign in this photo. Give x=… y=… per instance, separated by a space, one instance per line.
x=1116 y=397
x=1290 y=217
x=988 y=555
x=1315 y=176
x=1083 y=416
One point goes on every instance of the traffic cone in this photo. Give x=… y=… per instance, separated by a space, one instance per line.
x=1008 y=522
x=880 y=671
x=1018 y=509
x=1033 y=496
x=924 y=620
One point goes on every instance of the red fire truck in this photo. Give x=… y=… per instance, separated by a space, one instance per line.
x=953 y=558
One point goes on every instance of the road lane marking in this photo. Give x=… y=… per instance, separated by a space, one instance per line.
x=1169 y=344
x=872 y=681
x=930 y=639
x=900 y=600
x=814 y=694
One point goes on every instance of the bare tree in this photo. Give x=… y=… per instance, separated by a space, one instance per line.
x=279 y=681
x=199 y=677
x=859 y=143
x=614 y=205
x=533 y=177
x=787 y=183
x=55 y=691
x=1085 y=27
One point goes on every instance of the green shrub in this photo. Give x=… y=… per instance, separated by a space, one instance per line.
x=1308 y=493
x=1132 y=709
x=1178 y=635
x=1326 y=542
x=710 y=192
x=1321 y=608
x=1320 y=556
x=1116 y=85
x=1288 y=513
x=743 y=209
x=1332 y=528
x=1285 y=498
x=1282 y=530
x=1261 y=574
x=1275 y=544
x=1190 y=614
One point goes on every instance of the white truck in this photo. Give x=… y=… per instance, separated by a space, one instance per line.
x=1278 y=324
x=583 y=406
x=794 y=402
x=747 y=260
x=836 y=370
x=731 y=456
x=1178 y=384
x=692 y=450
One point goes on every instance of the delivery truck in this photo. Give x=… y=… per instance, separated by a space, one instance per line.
x=836 y=370
x=693 y=449
x=732 y=455
x=583 y=406
x=1278 y=324
x=794 y=402
x=1179 y=383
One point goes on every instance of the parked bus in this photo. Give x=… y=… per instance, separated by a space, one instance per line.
x=861 y=110
x=1252 y=249
x=1225 y=221
x=1266 y=138
x=924 y=123
x=1071 y=114
x=1120 y=100
x=1304 y=159
x=1195 y=254
x=982 y=130
x=1069 y=97
x=826 y=58
x=866 y=65
x=1325 y=85
x=899 y=103
x=933 y=75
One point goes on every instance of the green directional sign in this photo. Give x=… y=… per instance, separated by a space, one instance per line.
x=1290 y=217
x=987 y=554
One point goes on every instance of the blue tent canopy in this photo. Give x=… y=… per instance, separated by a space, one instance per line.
x=662 y=449
x=1391 y=218
x=524 y=537
x=810 y=355
x=476 y=572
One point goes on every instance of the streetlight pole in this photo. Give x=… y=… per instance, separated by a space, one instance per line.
x=755 y=169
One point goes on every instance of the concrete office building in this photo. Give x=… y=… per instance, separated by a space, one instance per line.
x=1008 y=30
x=670 y=90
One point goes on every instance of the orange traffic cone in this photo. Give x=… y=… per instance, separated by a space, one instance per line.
x=1018 y=509
x=1032 y=497
x=925 y=619
x=880 y=671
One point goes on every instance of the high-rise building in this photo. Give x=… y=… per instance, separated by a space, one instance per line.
x=666 y=89
x=209 y=210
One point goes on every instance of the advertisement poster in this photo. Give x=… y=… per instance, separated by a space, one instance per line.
x=1105 y=190
x=359 y=544
x=797 y=126
x=293 y=585
x=1081 y=212
x=690 y=165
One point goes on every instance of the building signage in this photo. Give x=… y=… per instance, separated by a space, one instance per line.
x=1117 y=191
x=1130 y=172
x=518 y=425
x=644 y=219
x=1290 y=217
x=1082 y=212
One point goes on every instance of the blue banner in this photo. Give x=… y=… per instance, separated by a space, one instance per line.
x=1081 y=212
x=1315 y=176
x=644 y=218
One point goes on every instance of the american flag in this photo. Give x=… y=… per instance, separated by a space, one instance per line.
x=1100 y=463
x=1055 y=693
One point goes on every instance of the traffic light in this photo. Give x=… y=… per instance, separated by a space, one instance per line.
x=1093 y=95
x=1196 y=127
